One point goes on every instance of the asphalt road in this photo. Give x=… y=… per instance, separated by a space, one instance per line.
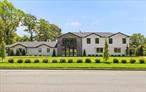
x=72 y=81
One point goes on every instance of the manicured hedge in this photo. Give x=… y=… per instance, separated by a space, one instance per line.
x=45 y=60
x=79 y=61
x=70 y=61
x=115 y=60
x=11 y=60
x=19 y=61
x=123 y=61
x=36 y=61
x=132 y=61
x=88 y=60
x=62 y=61
x=27 y=61
x=141 y=61
x=54 y=61
x=97 y=60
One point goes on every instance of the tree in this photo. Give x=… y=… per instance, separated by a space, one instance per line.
x=54 y=53
x=30 y=23
x=10 y=18
x=106 y=53
x=3 y=50
x=84 y=53
x=127 y=50
x=23 y=52
x=46 y=31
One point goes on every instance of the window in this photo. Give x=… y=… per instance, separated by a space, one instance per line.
x=48 y=50
x=110 y=40
x=99 y=50
x=117 y=50
x=124 y=40
x=97 y=40
x=88 y=40
x=39 y=49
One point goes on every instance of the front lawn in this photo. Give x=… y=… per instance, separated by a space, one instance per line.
x=74 y=65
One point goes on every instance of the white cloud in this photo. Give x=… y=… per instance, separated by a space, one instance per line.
x=73 y=24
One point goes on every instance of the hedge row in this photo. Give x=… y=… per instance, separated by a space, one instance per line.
x=88 y=60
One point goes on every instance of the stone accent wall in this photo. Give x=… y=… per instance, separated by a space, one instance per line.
x=69 y=35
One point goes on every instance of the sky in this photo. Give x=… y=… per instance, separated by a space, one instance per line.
x=127 y=16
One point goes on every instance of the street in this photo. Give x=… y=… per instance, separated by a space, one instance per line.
x=72 y=81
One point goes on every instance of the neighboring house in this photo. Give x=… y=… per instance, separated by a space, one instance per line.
x=33 y=48
x=74 y=43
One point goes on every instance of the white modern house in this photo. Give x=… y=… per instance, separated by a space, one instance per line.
x=75 y=43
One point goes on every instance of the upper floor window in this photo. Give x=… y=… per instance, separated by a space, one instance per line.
x=97 y=40
x=117 y=50
x=48 y=50
x=99 y=50
x=39 y=49
x=88 y=40
x=124 y=40
x=110 y=40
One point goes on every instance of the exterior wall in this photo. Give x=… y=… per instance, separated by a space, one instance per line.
x=91 y=48
x=69 y=35
x=117 y=43
x=17 y=47
x=34 y=51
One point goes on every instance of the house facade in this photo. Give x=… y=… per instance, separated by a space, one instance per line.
x=76 y=43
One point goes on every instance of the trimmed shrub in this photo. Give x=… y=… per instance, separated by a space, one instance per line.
x=19 y=61
x=93 y=55
x=89 y=55
x=27 y=61
x=11 y=60
x=62 y=61
x=88 y=60
x=96 y=54
x=132 y=61
x=54 y=61
x=36 y=61
x=45 y=60
x=79 y=61
x=70 y=61
x=97 y=60
x=115 y=60
x=124 y=61
x=141 y=61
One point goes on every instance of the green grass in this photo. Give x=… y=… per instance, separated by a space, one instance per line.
x=74 y=65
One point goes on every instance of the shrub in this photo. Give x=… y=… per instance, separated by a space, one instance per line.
x=19 y=61
x=54 y=53
x=100 y=55
x=45 y=60
x=70 y=61
x=124 y=61
x=79 y=61
x=93 y=55
x=88 y=60
x=132 y=60
x=62 y=61
x=141 y=61
x=36 y=61
x=11 y=60
x=97 y=60
x=96 y=54
x=54 y=61
x=115 y=60
x=89 y=55
x=27 y=61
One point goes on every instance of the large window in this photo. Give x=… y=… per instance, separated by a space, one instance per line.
x=97 y=40
x=99 y=50
x=110 y=40
x=117 y=50
x=88 y=40
x=124 y=40
x=69 y=42
x=40 y=50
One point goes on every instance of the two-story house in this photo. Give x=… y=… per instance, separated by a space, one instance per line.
x=75 y=43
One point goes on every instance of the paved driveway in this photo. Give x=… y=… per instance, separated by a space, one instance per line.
x=72 y=81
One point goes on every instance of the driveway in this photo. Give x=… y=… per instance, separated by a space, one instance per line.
x=72 y=81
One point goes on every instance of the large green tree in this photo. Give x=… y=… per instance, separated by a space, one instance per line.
x=106 y=52
x=30 y=23
x=47 y=31
x=10 y=19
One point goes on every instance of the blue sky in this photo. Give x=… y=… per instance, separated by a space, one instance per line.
x=127 y=16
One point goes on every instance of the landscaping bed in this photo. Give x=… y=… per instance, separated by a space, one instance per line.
x=37 y=62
